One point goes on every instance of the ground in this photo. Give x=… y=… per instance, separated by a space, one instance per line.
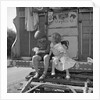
x=15 y=76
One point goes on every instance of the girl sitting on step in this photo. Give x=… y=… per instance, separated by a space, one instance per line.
x=61 y=60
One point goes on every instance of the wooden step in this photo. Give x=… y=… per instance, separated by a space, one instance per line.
x=80 y=66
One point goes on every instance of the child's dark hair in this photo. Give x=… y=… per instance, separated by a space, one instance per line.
x=38 y=35
x=56 y=37
x=66 y=43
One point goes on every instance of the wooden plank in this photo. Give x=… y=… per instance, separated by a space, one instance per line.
x=23 y=38
x=87 y=23
x=60 y=86
x=32 y=89
x=63 y=31
x=85 y=16
x=56 y=86
x=82 y=76
x=21 y=63
x=85 y=90
x=65 y=81
x=26 y=85
x=86 y=10
x=86 y=29
x=85 y=36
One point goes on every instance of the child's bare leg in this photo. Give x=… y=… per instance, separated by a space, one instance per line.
x=35 y=61
x=46 y=64
x=67 y=74
x=53 y=68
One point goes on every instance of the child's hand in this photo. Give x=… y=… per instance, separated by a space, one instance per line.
x=41 y=51
x=35 y=49
x=60 y=54
x=55 y=60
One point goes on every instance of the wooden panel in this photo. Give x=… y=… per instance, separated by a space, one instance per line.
x=73 y=46
x=92 y=50
x=85 y=16
x=87 y=23
x=42 y=23
x=92 y=16
x=86 y=9
x=87 y=29
x=21 y=12
x=21 y=8
x=63 y=19
x=64 y=31
x=87 y=45
x=24 y=38
x=85 y=50
x=85 y=36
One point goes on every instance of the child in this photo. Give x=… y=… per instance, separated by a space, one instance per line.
x=61 y=60
x=41 y=53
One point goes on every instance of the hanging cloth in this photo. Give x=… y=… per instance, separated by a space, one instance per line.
x=31 y=19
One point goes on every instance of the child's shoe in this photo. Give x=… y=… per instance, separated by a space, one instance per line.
x=42 y=77
x=36 y=75
x=53 y=73
x=67 y=77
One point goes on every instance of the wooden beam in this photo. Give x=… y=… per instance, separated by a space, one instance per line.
x=59 y=86
x=33 y=88
x=26 y=85
x=67 y=82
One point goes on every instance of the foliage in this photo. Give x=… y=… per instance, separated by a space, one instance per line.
x=11 y=35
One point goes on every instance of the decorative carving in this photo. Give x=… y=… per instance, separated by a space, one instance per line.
x=65 y=19
x=16 y=45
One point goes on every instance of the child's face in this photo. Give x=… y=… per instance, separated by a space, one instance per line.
x=53 y=40
x=56 y=38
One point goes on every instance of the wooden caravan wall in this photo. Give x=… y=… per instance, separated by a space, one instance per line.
x=65 y=23
x=80 y=33
x=24 y=34
x=85 y=34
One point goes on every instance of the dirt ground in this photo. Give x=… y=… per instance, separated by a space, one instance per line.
x=14 y=78
x=14 y=88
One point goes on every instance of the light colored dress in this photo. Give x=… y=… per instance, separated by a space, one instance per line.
x=64 y=62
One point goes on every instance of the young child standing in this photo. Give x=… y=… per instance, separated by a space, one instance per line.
x=61 y=60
